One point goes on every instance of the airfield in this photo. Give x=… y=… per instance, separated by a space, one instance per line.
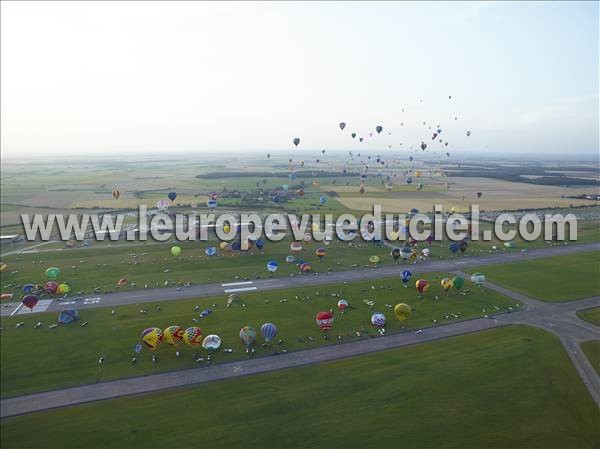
x=527 y=336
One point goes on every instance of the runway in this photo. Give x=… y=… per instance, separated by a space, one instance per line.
x=299 y=280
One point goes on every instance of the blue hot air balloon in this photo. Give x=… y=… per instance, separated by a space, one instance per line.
x=28 y=288
x=454 y=247
x=172 y=196
x=68 y=316
x=322 y=200
x=272 y=266
x=405 y=276
x=211 y=204
x=268 y=331
x=210 y=251
x=260 y=243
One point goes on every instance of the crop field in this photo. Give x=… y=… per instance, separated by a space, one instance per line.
x=553 y=279
x=424 y=396
x=35 y=359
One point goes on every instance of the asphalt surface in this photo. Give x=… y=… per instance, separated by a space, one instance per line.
x=300 y=280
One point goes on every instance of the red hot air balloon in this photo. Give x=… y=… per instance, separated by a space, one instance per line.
x=422 y=285
x=31 y=300
x=324 y=320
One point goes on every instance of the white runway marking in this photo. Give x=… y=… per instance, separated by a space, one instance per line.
x=233 y=284
x=91 y=301
x=245 y=289
x=41 y=306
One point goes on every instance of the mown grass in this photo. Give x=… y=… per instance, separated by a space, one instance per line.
x=512 y=388
x=41 y=359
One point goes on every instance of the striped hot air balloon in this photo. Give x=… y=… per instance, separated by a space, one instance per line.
x=324 y=320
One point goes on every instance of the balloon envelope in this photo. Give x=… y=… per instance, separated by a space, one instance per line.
x=52 y=273
x=211 y=343
x=272 y=266
x=173 y=335
x=30 y=301
x=324 y=320
x=192 y=336
x=68 y=316
x=268 y=331
x=378 y=319
x=247 y=335
x=176 y=250
x=152 y=337
x=402 y=311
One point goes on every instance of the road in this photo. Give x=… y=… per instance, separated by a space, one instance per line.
x=303 y=280
x=559 y=319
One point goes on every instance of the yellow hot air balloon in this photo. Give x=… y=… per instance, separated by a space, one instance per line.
x=402 y=311
x=63 y=288
x=152 y=337
x=226 y=228
x=374 y=260
x=394 y=235
x=173 y=335
x=446 y=284
x=192 y=336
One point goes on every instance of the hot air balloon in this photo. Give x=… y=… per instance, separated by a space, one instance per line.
x=423 y=146
x=172 y=196
x=272 y=266
x=290 y=259
x=116 y=194
x=425 y=252
x=360 y=139
x=402 y=311
x=320 y=252
x=233 y=299
x=296 y=247
x=176 y=251
x=30 y=301
x=122 y=282
x=446 y=284
x=406 y=252
x=296 y=141
x=28 y=288
x=378 y=319
x=305 y=267
x=324 y=320
x=453 y=247
x=268 y=331
x=173 y=335
x=468 y=133
x=211 y=343
x=405 y=277
x=52 y=273
x=210 y=251
x=478 y=278
x=211 y=204
x=192 y=336
x=322 y=200
x=247 y=335
x=374 y=260
x=353 y=135
x=63 y=289
x=422 y=285
x=379 y=129
x=51 y=287
x=162 y=205
x=458 y=282
x=342 y=304
x=152 y=337
x=395 y=253
x=260 y=244
x=342 y=125
x=463 y=246
x=479 y=194
x=68 y=316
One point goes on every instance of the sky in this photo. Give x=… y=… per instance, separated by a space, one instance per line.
x=152 y=77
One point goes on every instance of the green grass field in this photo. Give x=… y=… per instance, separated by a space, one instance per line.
x=562 y=278
x=590 y=315
x=43 y=358
x=514 y=388
x=592 y=352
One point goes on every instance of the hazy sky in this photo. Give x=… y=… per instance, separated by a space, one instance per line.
x=163 y=77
